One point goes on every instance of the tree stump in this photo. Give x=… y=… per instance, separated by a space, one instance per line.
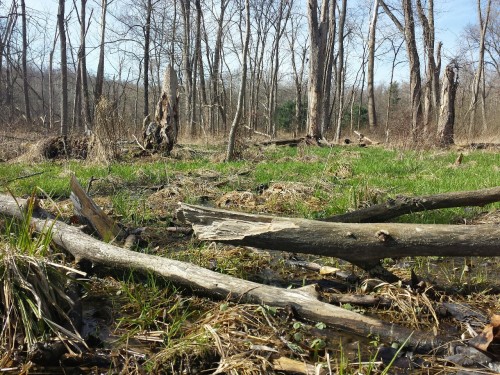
x=161 y=135
x=446 y=122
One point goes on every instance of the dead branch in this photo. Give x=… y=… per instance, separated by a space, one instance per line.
x=405 y=205
x=361 y=244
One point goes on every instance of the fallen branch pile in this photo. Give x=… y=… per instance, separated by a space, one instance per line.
x=206 y=282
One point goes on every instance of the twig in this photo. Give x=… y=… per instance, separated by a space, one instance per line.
x=22 y=177
x=141 y=146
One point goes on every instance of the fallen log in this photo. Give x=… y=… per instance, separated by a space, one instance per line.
x=204 y=281
x=405 y=205
x=361 y=244
x=348 y=241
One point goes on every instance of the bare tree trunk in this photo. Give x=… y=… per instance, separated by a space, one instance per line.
x=77 y=102
x=82 y=56
x=273 y=87
x=241 y=95
x=99 y=80
x=320 y=63
x=446 y=123
x=298 y=75
x=27 y=110
x=215 y=105
x=5 y=36
x=340 y=71
x=147 y=37
x=51 y=80
x=372 y=114
x=64 y=70
x=186 y=62
x=408 y=31
x=431 y=97
x=389 y=97
x=483 y=24
x=201 y=70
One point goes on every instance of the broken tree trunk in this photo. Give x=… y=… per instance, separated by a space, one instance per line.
x=361 y=244
x=162 y=134
x=445 y=129
x=203 y=281
x=405 y=205
x=86 y=208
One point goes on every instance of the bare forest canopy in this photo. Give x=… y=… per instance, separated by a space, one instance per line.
x=323 y=69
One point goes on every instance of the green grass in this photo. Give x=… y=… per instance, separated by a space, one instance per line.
x=343 y=178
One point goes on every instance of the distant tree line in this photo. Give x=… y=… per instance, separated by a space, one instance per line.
x=270 y=66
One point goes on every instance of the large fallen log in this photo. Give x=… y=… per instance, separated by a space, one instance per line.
x=203 y=281
x=405 y=205
x=361 y=244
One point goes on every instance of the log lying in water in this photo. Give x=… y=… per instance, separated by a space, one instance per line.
x=348 y=241
x=405 y=205
x=203 y=281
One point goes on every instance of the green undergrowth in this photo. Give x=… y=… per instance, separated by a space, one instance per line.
x=342 y=178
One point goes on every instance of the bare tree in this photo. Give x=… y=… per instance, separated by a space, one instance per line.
x=147 y=35
x=431 y=95
x=82 y=58
x=372 y=114
x=99 y=80
x=408 y=30
x=479 y=76
x=299 y=49
x=27 y=110
x=64 y=69
x=241 y=95
x=340 y=71
x=281 y=19
x=390 y=95
x=322 y=36
x=216 y=107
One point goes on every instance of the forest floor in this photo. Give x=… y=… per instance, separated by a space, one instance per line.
x=135 y=323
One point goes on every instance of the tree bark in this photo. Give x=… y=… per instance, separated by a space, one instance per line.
x=431 y=94
x=340 y=72
x=99 y=80
x=27 y=110
x=445 y=130
x=356 y=243
x=147 y=37
x=372 y=114
x=162 y=135
x=83 y=68
x=404 y=205
x=203 y=281
x=241 y=95
x=186 y=63
x=321 y=35
x=479 y=76
x=64 y=70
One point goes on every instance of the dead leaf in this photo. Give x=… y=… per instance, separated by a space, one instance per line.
x=490 y=334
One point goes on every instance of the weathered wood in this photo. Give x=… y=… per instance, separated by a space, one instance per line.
x=353 y=242
x=203 y=281
x=405 y=205
x=86 y=207
x=282 y=142
x=445 y=129
x=162 y=134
